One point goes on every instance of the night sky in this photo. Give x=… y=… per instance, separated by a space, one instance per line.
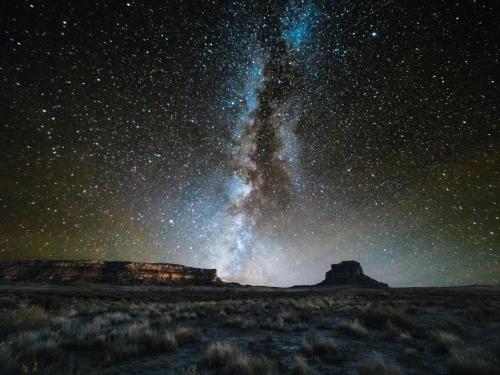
x=265 y=139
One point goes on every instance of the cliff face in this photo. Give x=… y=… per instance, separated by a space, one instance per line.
x=106 y=272
x=349 y=273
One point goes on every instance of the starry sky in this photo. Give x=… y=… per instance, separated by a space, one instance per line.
x=267 y=139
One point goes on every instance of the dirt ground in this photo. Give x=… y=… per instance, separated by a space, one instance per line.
x=104 y=329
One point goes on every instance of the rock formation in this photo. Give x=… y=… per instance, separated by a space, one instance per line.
x=349 y=273
x=106 y=272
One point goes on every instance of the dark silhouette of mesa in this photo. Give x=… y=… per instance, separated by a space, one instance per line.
x=349 y=272
x=115 y=272
x=345 y=273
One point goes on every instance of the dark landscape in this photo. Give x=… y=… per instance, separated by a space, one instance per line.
x=249 y=187
x=348 y=324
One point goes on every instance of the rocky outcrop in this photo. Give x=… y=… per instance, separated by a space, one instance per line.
x=349 y=272
x=106 y=272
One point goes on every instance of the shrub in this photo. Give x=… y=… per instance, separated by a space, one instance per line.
x=451 y=325
x=391 y=329
x=410 y=353
x=406 y=338
x=124 y=350
x=378 y=316
x=229 y=360
x=239 y=322
x=378 y=366
x=472 y=361
x=37 y=345
x=274 y=325
x=474 y=313
x=85 y=335
x=318 y=345
x=91 y=307
x=300 y=366
x=117 y=317
x=220 y=353
x=8 y=302
x=8 y=361
x=250 y=365
x=164 y=342
x=187 y=335
x=24 y=319
x=353 y=328
x=191 y=370
x=164 y=320
x=138 y=332
x=394 y=331
x=139 y=338
x=207 y=309
x=445 y=340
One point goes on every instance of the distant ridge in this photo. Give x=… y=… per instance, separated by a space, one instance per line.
x=114 y=272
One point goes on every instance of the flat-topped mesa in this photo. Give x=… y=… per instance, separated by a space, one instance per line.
x=349 y=272
x=64 y=271
x=347 y=269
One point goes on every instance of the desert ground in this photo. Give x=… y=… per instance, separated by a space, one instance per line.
x=104 y=329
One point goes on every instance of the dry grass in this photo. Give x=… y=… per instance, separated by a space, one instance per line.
x=24 y=319
x=251 y=365
x=318 y=345
x=406 y=338
x=55 y=333
x=191 y=370
x=9 y=361
x=36 y=344
x=473 y=361
x=28 y=352
x=165 y=342
x=395 y=332
x=378 y=316
x=89 y=335
x=187 y=335
x=475 y=313
x=445 y=341
x=220 y=353
x=300 y=366
x=139 y=338
x=91 y=307
x=353 y=328
x=410 y=353
x=118 y=317
x=207 y=309
x=277 y=324
x=377 y=365
x=240 y=323
x=228 y=360
x=451 y=325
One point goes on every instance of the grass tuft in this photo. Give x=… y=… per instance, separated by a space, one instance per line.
x=377 y=365
x=445 y=341
x=24 y=319
x=8 y=361
x=318 y=345
x=228 y=360
x=187 y=335
x=377 y=317
x=220 y=353
x=300 y=366
x=353 y=328
x=250 y=365
x=472 y=361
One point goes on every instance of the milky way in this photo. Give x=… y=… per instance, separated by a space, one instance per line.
x=264 y=139
x=264 y=148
